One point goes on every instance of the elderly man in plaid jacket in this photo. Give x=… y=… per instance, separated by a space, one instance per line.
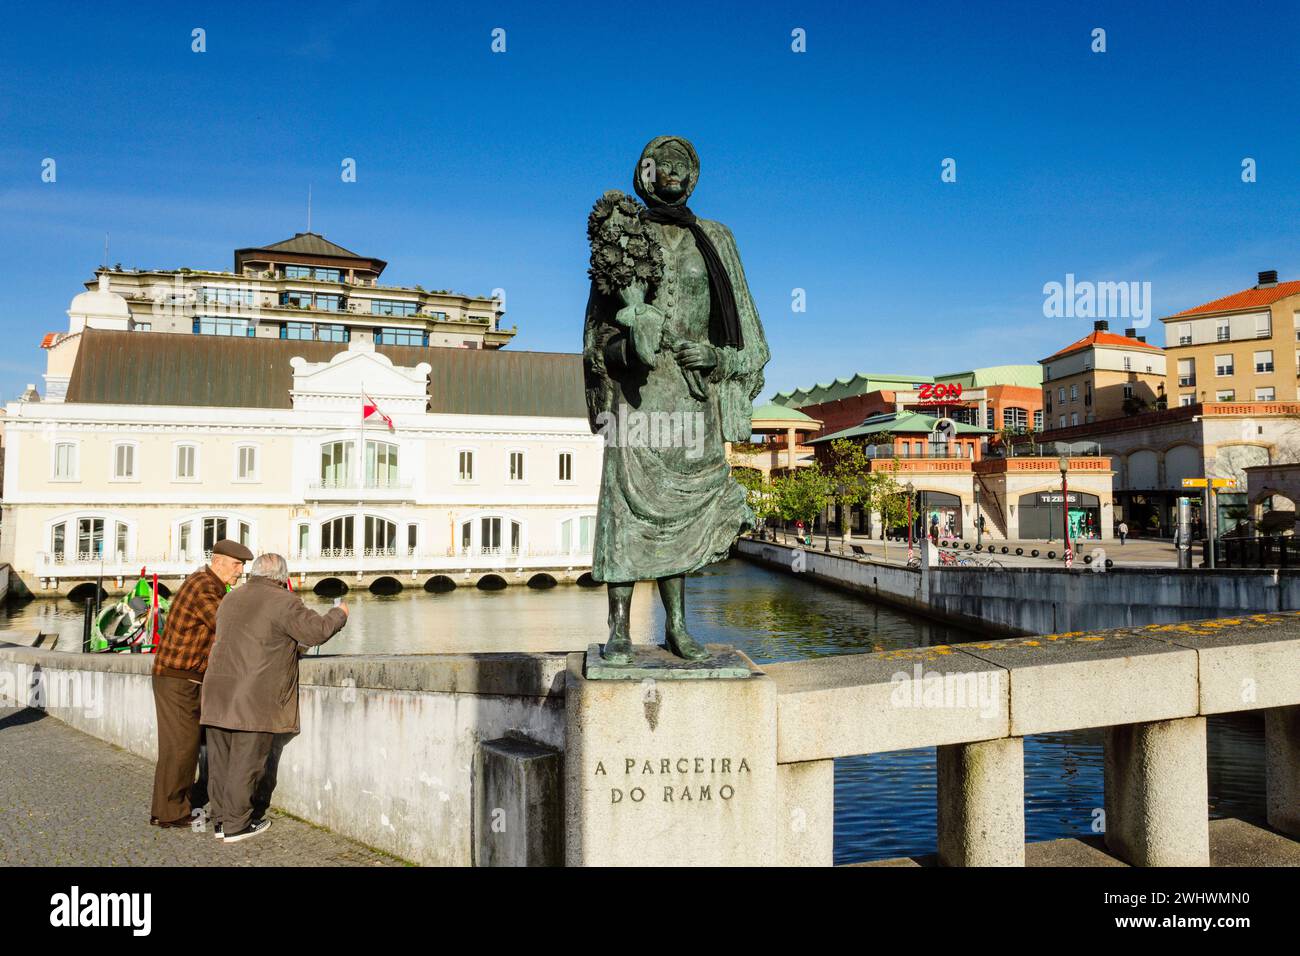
x=178 y=668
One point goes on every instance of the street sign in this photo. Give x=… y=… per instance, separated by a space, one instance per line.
x=1212 y=482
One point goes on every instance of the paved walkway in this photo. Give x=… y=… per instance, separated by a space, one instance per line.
x=68 y=799
x=1135 y=553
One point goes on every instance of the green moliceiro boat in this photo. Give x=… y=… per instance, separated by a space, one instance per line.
x=133 y=625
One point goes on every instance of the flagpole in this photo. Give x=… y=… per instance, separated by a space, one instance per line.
x=359 y=533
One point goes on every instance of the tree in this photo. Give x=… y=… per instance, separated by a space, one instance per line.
x=802 y=495
x=760 y=492
x=885 y=496
x=892 y=506
x=1134 y=405
x=848 y=474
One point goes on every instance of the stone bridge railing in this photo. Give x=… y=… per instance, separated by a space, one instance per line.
x=1151 y=688
x=521 y=759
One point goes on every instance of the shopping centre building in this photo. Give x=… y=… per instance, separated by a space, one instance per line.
x=949 y=438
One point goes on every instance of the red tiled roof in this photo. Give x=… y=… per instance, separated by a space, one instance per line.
x=1103 y=338
x=50 y=339
x=1245 y=299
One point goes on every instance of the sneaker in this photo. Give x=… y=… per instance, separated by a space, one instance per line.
x=252 y=830
x=218 y=832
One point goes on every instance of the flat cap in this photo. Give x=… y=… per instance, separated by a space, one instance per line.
x=232 y=549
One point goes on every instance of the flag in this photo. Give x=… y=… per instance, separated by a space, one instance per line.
x=368 y=408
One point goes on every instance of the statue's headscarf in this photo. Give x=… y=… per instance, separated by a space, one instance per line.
x=724 y=320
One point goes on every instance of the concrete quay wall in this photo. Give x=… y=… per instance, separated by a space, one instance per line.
x=1019 y=601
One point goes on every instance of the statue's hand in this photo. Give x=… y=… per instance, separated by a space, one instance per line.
x=695 y=355
x=645 y=323
x=640 y=313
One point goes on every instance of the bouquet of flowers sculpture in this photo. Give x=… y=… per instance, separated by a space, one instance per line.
x=626 y=260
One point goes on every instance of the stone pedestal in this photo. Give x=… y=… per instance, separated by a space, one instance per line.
x=1157 y=805
x=670 y=772
x=981 y=803
x=1282 y=768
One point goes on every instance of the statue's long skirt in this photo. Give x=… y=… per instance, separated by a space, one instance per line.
x=668 y=503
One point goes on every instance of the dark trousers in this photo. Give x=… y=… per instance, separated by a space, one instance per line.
x=236 y=763
x=266 y=783
x=176 y=703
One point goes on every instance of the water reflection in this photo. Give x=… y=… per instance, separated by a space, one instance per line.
x=884 y=803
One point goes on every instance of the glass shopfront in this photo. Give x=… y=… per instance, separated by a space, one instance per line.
x=1041 y=519
x=938 y=513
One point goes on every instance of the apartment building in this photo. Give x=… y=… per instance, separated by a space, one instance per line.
x=1244 y=347
x=1102 y=375
x=306 y=288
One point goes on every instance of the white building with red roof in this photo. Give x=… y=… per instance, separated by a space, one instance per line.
x=1102 y=375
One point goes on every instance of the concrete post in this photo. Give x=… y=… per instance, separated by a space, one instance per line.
x=1282 y=768
x=806 y=826
x=982 y=803
x=1157 y=803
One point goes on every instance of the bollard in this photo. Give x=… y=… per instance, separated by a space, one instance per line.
x=87 y=625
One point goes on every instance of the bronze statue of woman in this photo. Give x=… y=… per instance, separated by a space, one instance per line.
x=668 y=503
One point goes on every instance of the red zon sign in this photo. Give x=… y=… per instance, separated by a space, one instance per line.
x=942 y=392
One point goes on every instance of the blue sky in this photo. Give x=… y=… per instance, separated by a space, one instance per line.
x=476 y=170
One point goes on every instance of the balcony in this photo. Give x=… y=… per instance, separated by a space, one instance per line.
x=350 y=489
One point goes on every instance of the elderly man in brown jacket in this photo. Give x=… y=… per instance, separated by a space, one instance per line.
x=178 y=667
x=250 y=693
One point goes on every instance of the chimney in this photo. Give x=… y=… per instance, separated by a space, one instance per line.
x=1267 y=279
x=1101 y=325
x=1141 y=338
x=1130 y=333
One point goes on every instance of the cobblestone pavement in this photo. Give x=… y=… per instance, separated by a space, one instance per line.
x=67 y=799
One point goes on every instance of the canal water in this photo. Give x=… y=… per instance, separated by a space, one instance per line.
x=884 y=803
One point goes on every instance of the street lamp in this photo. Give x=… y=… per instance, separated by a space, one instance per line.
x=1064 y=464
x=910 y=489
